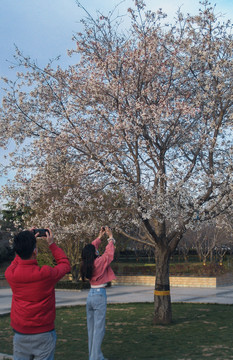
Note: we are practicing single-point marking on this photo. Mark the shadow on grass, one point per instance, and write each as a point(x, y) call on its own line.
point(198, 331)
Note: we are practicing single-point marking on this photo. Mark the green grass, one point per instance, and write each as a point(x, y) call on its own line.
point(198, 331)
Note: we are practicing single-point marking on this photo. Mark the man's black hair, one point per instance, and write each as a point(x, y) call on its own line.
point(24, 244)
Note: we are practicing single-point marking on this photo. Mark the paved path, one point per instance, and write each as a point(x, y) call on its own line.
point(5, 357)
point(128, 294)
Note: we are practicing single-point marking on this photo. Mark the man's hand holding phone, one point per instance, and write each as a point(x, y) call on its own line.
point(43, 233)
point(49, 237)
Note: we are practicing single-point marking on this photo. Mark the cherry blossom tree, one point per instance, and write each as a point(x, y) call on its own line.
point(146, 113)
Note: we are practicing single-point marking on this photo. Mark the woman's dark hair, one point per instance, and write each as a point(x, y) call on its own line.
point(88, 258)
point(24, 244)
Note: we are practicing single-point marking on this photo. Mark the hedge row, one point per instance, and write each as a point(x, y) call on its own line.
point(80, 285)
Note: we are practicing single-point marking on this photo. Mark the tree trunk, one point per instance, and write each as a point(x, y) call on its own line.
point(162, 298)
point(75, 272)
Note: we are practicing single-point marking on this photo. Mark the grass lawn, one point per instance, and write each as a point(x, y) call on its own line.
point(198, 331)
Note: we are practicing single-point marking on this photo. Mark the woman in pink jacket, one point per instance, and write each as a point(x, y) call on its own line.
point(98, 271)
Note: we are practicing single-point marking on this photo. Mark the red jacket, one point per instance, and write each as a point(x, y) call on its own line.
point(102, 271)
point(33, 298)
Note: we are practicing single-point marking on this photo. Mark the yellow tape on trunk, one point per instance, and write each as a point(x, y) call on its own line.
point(162, 293)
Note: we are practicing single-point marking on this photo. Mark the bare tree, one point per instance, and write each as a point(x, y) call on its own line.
point(205, 242)
point(186, 244)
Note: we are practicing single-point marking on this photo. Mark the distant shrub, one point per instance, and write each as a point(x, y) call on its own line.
point(71, 285)
point(6, 253)
point(185, 269)
point(80, 285)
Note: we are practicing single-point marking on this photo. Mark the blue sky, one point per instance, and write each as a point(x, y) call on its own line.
point(43, 28)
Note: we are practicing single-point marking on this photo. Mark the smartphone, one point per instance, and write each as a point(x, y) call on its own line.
point(42, 232)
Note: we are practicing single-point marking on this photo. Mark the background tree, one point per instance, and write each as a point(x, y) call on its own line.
point(146, 113)
point(62, 199)
point(205, 243)
point(12, 218)
point(186, 244)
point(222, 232)
point(6, 253)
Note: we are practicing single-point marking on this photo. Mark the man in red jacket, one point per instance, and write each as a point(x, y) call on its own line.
point(33, 297)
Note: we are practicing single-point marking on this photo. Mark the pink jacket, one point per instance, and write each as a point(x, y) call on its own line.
point(33, 300)
point(102, 270)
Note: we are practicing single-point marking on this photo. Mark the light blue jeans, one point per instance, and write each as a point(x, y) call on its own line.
point(35, 346)
point(96, 312)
